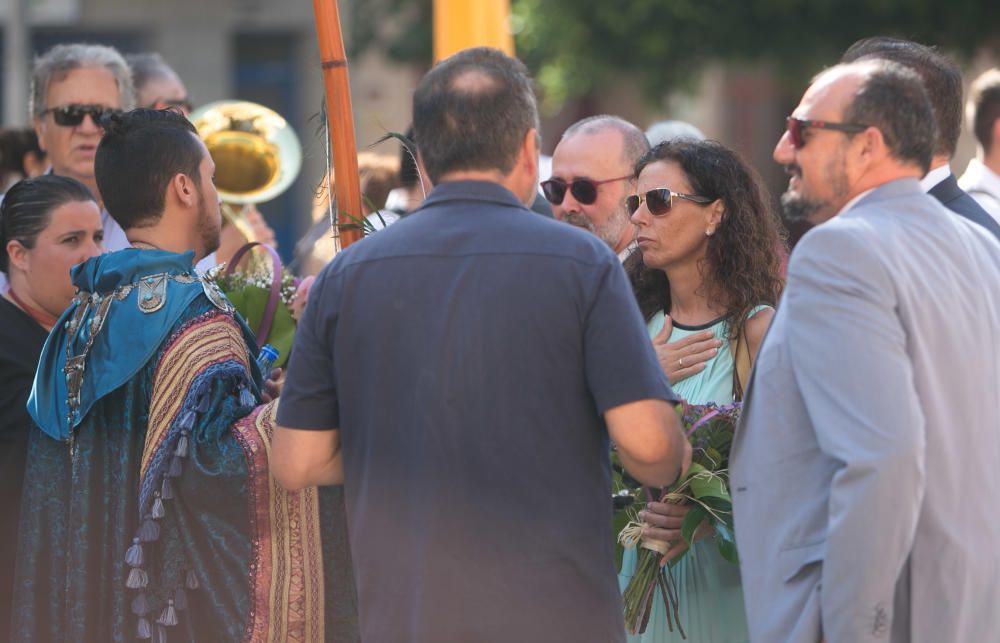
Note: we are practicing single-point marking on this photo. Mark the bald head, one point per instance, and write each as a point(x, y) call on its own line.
point(634, 141)
point(832, 90)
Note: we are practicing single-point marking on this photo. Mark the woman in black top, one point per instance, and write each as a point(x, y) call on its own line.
point(48, 224)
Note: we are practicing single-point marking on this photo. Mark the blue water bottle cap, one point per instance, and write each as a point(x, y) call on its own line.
point(270, 352)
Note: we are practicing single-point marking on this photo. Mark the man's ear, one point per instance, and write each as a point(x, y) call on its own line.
point(529, 150)
point(873, 147)
point(183, 189)
point(525, 171)
point(39, 125)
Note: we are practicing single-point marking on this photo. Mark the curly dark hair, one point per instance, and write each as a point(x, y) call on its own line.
point(742, 265)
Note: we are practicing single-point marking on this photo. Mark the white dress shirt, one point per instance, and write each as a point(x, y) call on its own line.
point(983, 185)
point(935, 176)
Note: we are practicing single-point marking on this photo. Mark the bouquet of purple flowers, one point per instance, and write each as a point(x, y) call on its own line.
point(705, 487)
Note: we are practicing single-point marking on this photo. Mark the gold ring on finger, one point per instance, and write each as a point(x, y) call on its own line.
point(680, 362)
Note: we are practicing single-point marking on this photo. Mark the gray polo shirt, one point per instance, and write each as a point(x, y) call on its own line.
point(467, 354)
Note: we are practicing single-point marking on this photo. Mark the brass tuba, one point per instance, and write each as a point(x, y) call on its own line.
point(257, 155)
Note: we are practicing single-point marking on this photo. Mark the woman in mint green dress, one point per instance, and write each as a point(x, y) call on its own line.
point(707, 276)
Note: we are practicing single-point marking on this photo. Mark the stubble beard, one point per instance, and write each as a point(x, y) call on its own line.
point(208, 232)
point(797, 207)
point(611, 232)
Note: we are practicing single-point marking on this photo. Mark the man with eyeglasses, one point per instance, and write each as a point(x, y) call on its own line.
point(592, 173)
point(73, 87)
point(865, 456)
point(157, 85)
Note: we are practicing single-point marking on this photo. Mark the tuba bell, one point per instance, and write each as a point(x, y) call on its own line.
point(257, 156)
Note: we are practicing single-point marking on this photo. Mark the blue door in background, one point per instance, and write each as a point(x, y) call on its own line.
point(265, 73)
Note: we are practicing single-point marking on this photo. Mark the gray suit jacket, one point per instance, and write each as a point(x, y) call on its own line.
point(866, 470)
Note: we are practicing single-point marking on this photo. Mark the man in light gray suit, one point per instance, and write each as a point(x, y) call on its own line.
point(864, 473)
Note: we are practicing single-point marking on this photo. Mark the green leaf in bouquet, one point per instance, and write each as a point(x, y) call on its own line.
point(725, 540)
point(694, 517)
point(709, 485)
point(251, 301)
point(720, 508)
point(694, 470)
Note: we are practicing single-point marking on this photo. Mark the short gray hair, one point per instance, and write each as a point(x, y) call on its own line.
point(148, 66)
point(62, 59)
point(662, 131)
point(634, 143)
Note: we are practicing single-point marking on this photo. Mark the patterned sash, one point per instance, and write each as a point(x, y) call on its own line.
point(285, 573)
point(287, 586)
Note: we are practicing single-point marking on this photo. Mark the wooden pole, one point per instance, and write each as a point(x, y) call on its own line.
point(340, 116)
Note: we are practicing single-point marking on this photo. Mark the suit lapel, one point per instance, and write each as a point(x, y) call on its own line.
point(946, 191)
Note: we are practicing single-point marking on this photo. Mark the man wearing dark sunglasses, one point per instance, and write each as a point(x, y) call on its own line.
point(73, 87)
point(879, 369)
point(592, 169)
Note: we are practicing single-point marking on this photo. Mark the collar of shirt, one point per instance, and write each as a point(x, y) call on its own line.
point(472, 191)
point(982, 177)
point(934, 177)
point(629, 249)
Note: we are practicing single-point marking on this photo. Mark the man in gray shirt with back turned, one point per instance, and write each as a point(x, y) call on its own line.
point(506, 348)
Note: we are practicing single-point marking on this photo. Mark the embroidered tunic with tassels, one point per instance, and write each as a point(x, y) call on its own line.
point(159, 520)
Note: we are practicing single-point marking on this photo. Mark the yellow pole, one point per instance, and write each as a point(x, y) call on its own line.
point(460, 24)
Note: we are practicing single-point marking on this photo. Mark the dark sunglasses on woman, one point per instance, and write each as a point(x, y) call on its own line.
point(72, 115)
point(583, 190)
point(660, 200)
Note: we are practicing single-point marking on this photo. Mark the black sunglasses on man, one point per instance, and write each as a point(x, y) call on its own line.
point(583, 190)
point(798, 126)
point(72, 115)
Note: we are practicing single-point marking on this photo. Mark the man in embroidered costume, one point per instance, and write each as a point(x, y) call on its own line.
point(150, 513)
